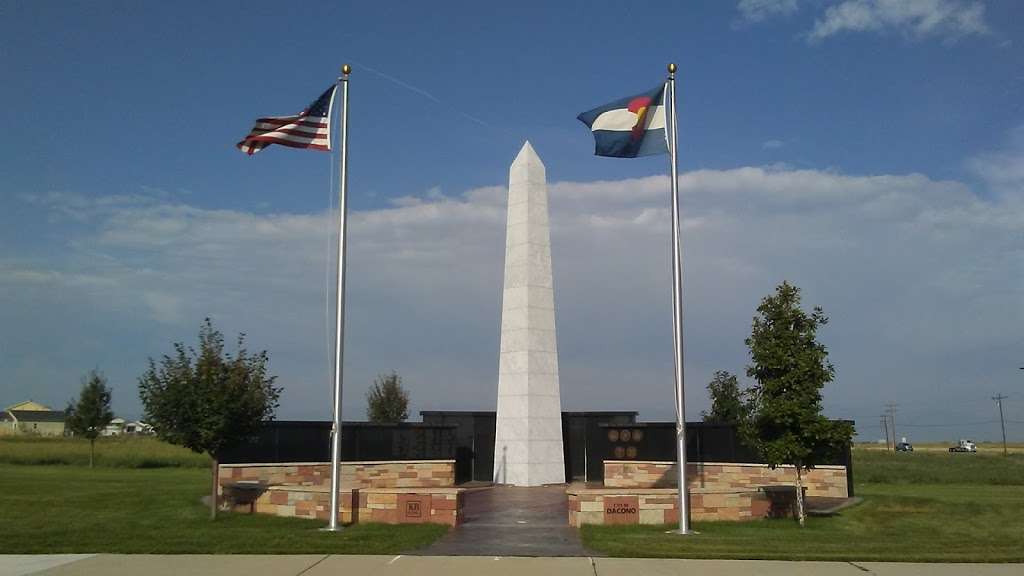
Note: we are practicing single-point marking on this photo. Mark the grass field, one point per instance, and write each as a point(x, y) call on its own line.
point(115, 452)
point(981, 469)
point(917, 507)
point(143, 497)
point(63, 509)
point(983, 447)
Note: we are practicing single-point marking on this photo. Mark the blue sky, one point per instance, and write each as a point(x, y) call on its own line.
point(868, 150)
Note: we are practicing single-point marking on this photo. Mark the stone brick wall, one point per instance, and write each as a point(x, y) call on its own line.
point(304, 502)
point(660, 506)
point(722, 477)
point(398, 506)
point(358, 475)
point(387, 505)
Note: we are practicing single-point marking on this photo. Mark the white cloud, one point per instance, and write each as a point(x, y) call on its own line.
point(946, 19)
point(1003, 171)
point(772, 144)
point(949, 19)
point(760, 10)
point(923, 279)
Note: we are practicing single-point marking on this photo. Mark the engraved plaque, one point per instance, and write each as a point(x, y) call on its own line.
point(412, 509)
point(621, 510)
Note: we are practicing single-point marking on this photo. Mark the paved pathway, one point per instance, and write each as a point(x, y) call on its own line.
point(320, 565)
point(511, 521)
point(21, 564)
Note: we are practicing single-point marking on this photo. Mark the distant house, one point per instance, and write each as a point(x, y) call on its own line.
point(115, 428)
point(138, 427)
point(32, 418)
point(8, 425)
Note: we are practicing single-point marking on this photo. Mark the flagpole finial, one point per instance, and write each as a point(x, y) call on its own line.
point(346, 69)
point(672, 68)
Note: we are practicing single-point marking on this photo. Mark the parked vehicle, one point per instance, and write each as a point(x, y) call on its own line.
point(904, 447)
point(964, 446)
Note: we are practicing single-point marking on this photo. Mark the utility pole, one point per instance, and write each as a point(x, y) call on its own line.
point(885, 428)
point(890, 409)
point(999, 401)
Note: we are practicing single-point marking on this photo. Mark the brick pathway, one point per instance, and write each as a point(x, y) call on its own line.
point(512, 521)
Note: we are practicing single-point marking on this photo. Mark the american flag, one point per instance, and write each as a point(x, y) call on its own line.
point(310, 128)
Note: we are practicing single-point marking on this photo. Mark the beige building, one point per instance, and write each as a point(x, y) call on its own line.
point(31, 418)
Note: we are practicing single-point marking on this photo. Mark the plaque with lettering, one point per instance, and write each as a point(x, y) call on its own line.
point(621, 510)
point(413, 508)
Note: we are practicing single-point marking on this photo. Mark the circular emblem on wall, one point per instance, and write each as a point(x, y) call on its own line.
point(631, 452)
point(638, 435)
point(620, 452)
point(624, 435)
point(613, 435)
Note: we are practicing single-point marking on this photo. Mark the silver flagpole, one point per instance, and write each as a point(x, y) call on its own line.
point(339, 336)
point(677, 316)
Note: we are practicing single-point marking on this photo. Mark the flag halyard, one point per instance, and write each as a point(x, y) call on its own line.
point(310, 129)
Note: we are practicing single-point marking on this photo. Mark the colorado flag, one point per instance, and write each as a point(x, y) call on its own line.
point(630, 127)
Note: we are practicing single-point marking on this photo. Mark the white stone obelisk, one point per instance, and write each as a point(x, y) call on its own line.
point(528, 437)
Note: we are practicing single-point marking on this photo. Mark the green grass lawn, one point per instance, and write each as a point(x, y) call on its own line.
point(63, 509)
point(917, 507)
point(114, 452)
point(143, 497)
point(874, 467)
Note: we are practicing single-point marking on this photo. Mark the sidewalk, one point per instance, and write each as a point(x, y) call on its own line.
point(318, 565)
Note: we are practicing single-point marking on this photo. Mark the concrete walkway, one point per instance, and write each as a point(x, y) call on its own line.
point(21, 564)
point(512, 521)
point(314, 565)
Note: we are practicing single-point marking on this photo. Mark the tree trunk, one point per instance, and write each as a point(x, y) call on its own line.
point(799, 495)
point(213, 491)
point(92, 450)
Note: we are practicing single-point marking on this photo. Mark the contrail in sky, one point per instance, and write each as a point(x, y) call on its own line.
point(423, 93)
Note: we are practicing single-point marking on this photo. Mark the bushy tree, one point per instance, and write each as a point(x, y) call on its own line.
point(727, 403)
point(790, 368)
point(386, 401)
point(90, 414)
point(208, 400)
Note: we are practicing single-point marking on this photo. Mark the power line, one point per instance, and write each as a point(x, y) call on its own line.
point(950, 425)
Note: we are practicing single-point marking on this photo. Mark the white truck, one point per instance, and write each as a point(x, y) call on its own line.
point(964, 446)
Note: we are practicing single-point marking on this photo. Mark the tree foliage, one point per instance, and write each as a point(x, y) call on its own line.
point(208, 400)
point(790, 368)
point(386, 401)
point(727, 403)
point(90, 414)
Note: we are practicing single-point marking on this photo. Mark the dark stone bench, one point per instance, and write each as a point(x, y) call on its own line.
point(243, 493)
point(783, 500)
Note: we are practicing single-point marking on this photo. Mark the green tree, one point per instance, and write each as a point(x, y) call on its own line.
point(208, 400)
point(790, 368)
point(727, 404)
point(386, 401)
point(87, 416)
